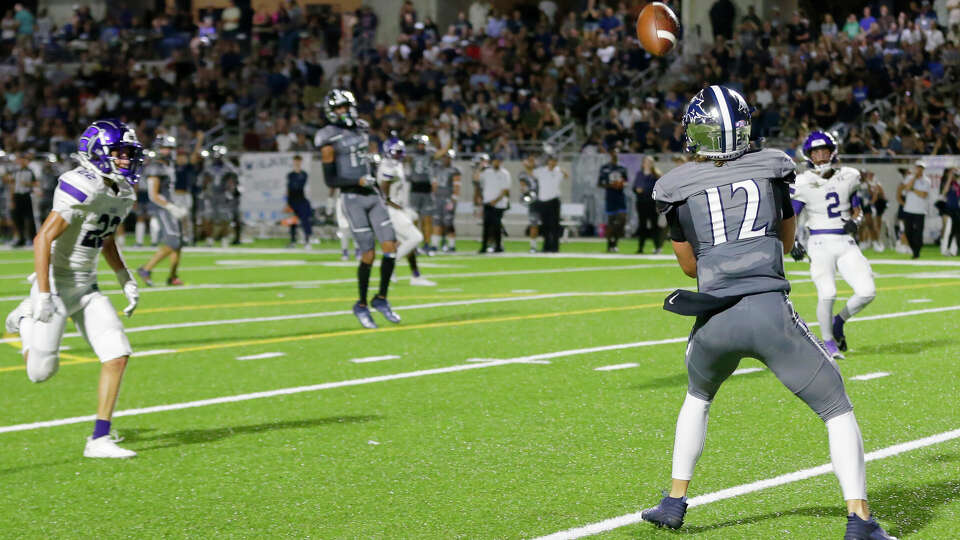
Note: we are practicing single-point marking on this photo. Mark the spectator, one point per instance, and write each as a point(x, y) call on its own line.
point(722, 14)
point(24, 19)
point(647, 216)
point(915, 191)
point(495, 195)
point(867, 22)
point(612, 178)
point(852, 26)
point(549, 177)
point(828, 27)
point(24, 183)
point(298, 202)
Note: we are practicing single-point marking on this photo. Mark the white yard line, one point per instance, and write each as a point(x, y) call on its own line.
point(262, 356)
point(868, 376)
point(744, 489)
point(919, 301)
point(153, 352)
point(744, 371)
point(616, 367)
point(369, 359)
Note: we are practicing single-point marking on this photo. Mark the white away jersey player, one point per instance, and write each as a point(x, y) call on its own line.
point(826, 201)
point(93, 211)
point(391, 170)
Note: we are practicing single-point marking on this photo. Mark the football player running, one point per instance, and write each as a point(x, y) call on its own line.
point(89, 203)
point(160, 178)
point(731, 222)
point(344, 152)
point(827, 193)
point(396, 189)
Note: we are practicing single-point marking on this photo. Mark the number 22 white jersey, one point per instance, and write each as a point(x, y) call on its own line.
point(826, 200)
point(93, 211)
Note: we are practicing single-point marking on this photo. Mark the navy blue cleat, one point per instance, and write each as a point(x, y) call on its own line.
point(669, 513)
point(838, 333)
point(363, 315)
point(859, 529)
point(380, 304)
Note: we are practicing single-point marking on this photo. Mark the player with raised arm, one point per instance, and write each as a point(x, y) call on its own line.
point(731, 221)
point(160, 179)
point(344, 147)
point(828, 194)
point(391, 178)
point(89, 203)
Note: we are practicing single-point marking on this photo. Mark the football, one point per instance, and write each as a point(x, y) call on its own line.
point(657, 28)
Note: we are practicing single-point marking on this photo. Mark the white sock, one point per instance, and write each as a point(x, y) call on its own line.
point(139, 231)
point(533, 243)
point(945, 235)
point(344, 239)
point(435, 241)
point(846, 454)
point(451, 241)
point(825, 317)
point(690, 436)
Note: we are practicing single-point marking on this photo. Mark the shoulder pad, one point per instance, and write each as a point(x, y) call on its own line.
point(326, 135)
point(78, 184)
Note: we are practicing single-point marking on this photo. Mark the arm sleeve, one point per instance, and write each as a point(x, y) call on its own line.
point(332, 180)
point(781, 193)
point(673, 223)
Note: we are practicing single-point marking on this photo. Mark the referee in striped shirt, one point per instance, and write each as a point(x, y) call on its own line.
point(24, 181)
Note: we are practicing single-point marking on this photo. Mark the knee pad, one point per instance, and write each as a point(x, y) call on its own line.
point(41, 365)
point(102, 329)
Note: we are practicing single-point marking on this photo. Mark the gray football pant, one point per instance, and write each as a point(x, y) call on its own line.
point(766, 327)
point(367, 215)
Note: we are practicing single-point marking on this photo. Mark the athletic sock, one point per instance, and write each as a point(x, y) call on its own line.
point(363, 280)
point(690, 436)
point(533, 243)
point(387, 263)
point(101, 428)
point(846, 454)
point(140, 229)
point(435, 241)
point(451, 242)
point(414, 269)
point(825, 318)
point(344, 239)
point(293, 234)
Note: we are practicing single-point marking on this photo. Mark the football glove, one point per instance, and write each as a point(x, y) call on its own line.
point(130, 290)
point(850, 226)
point(177, 212)
point(43, 307)
point(798, 252)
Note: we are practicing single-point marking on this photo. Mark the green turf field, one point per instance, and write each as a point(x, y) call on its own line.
point(488, 417)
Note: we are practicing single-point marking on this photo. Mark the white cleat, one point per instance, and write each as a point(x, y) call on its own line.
point(106, 447)
point(422, 282)
point(13, 319)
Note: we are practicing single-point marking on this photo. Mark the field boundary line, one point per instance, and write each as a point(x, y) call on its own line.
point(744, 489)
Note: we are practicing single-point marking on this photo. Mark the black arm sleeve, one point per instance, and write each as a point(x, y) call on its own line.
point(781, 194)
point(331, 179)
point(673, 223)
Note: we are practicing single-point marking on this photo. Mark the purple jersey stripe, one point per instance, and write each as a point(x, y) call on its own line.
point(797, 206)
point(72, 191)
point(827, 231)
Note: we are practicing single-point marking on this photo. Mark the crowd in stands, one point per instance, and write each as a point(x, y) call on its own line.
point(487, 82)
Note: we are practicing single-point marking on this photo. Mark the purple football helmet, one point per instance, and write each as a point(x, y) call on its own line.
point(394, 148)
point(100, 140)
point(817, 140)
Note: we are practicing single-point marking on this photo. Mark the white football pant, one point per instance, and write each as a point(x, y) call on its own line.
point(829, 253)
point(95, 318)
point(408, 235)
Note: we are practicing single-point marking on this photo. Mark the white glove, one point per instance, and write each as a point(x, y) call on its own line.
point(43, 307)
point(177, 212)
point(129, 290)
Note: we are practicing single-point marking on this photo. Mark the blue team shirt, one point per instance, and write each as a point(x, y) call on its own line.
point(296, 182)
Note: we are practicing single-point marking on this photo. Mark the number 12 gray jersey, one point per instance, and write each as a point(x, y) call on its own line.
point(350, 148)
point(731, 216)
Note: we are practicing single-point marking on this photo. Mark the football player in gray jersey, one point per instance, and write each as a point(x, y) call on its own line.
point(422, 186)
point(160, 179)
point(446, 194)
point(344, 147)
point(731, 221)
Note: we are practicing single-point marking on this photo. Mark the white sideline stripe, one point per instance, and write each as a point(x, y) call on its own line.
point(743, 489)
point(261, 356)
point(919, 300)
point(152, 352)
point(220, 322)
point(374, 358)
point(299, 284)
point(744, 371)
point(257, 395)
point(868, 376)
point(615, 367)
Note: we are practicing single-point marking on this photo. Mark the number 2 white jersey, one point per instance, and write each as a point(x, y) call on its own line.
point(93, 211)
point(391, 170)
point(826, 200)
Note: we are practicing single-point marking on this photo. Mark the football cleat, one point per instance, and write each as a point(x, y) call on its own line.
point(145, 276)
point(362, 313)
point(861, 529)
point(838, 333)
point(345, 256)
point(833, 350)
point(380, 304)
point(13, 319)
point(421, 281)
point(174, 282)
point(106, 447)
point(669, 513)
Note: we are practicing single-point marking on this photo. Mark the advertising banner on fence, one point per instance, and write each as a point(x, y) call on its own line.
point(263, 179)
